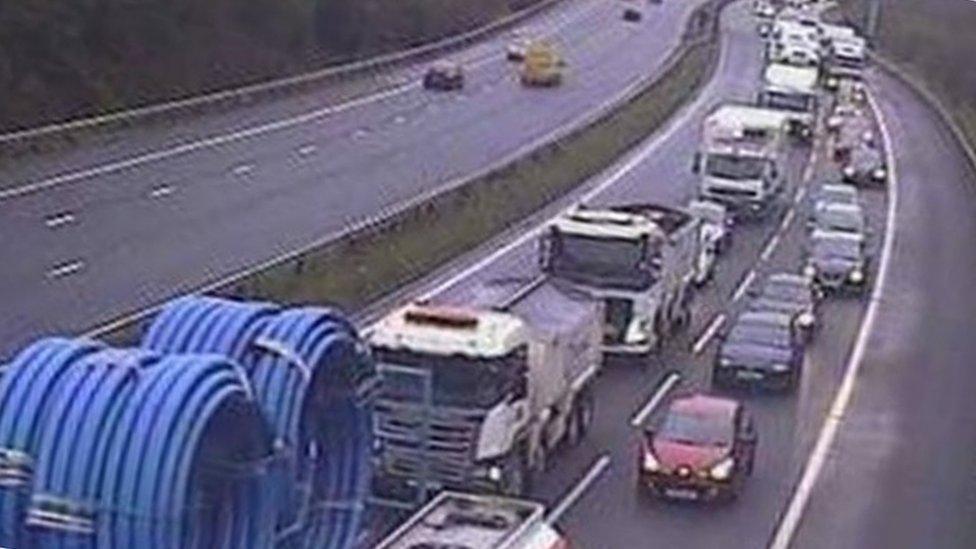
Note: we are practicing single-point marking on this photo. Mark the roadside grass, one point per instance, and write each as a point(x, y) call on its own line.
point(352, 273)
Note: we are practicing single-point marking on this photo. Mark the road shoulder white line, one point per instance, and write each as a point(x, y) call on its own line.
point(787, 528)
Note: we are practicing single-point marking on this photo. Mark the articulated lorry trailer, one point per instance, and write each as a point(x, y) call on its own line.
point(639, 260)
point(742, 157)
point(477, 392)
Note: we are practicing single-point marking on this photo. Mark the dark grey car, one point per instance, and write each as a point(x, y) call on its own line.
point(759, 354)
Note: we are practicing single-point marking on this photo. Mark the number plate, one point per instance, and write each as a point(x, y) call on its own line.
point(681, 493)
point(749, 375)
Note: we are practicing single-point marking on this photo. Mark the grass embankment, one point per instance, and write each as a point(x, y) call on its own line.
point(935, 40)
point(63, 59)
point(362, 268)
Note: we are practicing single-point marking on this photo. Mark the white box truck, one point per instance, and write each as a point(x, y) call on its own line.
point(741, 157)
point(793, 90)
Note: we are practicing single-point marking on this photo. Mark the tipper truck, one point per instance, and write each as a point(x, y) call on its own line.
point(741, 157)
point(475, 396)
point(454, 520)
point(640, 260)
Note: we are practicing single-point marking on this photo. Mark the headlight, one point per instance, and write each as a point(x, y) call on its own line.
point(810, 271)
point(850, 171)
point(880, 173)
point(806, 320)
point(723, 469)
point(651, 464)
point(495, 473)
point(832, 83)
point(724, 362)
point(857, 276)
point(781, 368)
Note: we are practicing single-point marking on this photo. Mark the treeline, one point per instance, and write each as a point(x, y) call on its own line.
point(61, 59)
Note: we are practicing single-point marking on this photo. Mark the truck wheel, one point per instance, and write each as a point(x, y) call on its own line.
point(585, 406)
point(514, 475)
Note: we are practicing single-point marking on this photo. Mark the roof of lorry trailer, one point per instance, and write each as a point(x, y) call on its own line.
point(606, 224)
point(747, 115)
point(800, 79)
point(444, 330)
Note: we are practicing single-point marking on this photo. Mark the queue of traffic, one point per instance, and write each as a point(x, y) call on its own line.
point(704, 445)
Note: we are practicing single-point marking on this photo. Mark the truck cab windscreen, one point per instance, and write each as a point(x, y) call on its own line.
point(796, 102)
point(735, 167)
point(456, 381)
point(601, 261)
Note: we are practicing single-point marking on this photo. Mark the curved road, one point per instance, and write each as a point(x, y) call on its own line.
point(851, 504)
point(128, 220)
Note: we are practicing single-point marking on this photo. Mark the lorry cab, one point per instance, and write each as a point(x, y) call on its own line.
point(461, 520)
point(542, 65)
point(846, 61)
point(739, 160)
point(703, 449)
point(794, 91)
point(474, 397)
point(639, 260)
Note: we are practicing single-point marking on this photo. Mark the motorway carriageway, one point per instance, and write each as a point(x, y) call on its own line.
point(608, 512)
point(128, 220)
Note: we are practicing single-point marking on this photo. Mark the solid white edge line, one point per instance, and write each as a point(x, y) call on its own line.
point(790, 522)
point(708, 334)
point(597, 469)
point(654, 401)
point(744, 285)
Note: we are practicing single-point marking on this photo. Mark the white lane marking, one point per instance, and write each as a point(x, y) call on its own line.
point(639, 156)
point(818, 457)
point(307, 150)
point(224, 139)
point(787, 219)
point(60, 219)
point(161, 191)
point(637, 159)
point(597, 469)
point(360, 133)
point(800, 195)
point(243, 169)
point(399, 119)
point(652, 403)
point(66, 269)
point(713, 327)
point(744, 285)
point(770, 247)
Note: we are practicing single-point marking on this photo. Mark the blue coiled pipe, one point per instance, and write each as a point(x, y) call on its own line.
point(28, 389)
point(308, 369)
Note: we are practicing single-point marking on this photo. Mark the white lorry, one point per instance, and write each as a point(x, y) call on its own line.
point(477, 390)
point(792, 90)
point(741, 157)
point(455, 521)
point(846, 61)
point(639, 260)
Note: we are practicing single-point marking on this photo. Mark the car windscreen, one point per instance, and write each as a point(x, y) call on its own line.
point(839, 248)
point(796, 102)
point(786, 292)
point(846, 220)
point(735, 167)
point(696, 429)
point(775, 336)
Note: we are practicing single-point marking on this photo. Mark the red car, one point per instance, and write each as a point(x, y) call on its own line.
point(703, 450)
